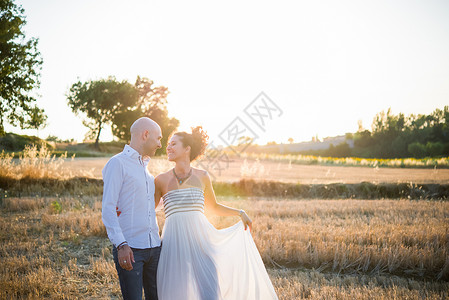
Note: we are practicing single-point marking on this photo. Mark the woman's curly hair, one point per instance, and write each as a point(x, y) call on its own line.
point(197, 140)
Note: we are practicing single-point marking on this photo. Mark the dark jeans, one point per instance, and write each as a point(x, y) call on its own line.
point(143, 274)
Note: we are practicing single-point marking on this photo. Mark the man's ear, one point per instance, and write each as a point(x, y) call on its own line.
point(146, 134)
point(188, 148)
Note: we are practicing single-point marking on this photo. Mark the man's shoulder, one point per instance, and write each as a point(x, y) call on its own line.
point(115, 160)
point(119, 155)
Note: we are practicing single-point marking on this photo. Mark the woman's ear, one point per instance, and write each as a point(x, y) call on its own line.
point(188, 148)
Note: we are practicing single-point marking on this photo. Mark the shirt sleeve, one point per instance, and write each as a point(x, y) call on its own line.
point(112, 184)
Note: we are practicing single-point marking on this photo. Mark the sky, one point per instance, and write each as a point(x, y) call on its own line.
point(323, 64)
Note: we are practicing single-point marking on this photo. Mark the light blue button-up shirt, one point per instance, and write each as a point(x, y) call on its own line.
point(128, 201)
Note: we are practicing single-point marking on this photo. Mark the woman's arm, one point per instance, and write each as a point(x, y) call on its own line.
point(157, 191)
point(219, 209)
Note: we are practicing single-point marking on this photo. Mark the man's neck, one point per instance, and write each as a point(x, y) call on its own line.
point(137, 148)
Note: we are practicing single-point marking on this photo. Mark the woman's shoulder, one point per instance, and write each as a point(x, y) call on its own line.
point(200, 172)
point(203, 176)
point(162, 176)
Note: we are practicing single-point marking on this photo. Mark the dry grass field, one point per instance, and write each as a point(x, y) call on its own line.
point(36, 163)
point(314, 249)
point(56, 246)
point(283, 171)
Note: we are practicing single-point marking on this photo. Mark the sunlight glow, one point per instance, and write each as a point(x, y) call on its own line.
point(326, 64)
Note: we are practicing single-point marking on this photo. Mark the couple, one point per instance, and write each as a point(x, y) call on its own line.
point(196, 260)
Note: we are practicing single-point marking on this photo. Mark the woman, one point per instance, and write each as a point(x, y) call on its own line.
point(198, 261)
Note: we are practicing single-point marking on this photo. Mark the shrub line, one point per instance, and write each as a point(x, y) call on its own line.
point(12, 187)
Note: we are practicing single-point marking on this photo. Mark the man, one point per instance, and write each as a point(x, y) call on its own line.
point(128, 211)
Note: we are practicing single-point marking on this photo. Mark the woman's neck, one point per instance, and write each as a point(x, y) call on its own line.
point(182, 167)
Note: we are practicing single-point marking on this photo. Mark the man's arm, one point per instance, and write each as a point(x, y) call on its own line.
point(113, 181)
point(112, 184)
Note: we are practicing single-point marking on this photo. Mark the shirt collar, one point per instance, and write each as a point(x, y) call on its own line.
point(131, 152)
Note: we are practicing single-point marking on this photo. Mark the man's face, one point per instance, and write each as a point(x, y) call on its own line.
point(152, 141)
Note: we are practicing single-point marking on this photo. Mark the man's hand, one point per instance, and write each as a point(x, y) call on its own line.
point(125, 257)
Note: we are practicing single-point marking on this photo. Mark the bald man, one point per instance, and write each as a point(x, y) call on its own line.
point(128, 211)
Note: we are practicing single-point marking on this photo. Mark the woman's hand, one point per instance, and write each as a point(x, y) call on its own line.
point(245, 219)
point(211, 204)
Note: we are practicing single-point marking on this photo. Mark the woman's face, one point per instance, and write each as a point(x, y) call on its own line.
point(175, 148)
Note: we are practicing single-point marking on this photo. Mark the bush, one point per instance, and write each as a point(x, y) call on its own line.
point(341, 150)
point(52, 138)
point(446, 149)
point(418, 150)
point(435, 149)
point(13, 142)
point(399, 147)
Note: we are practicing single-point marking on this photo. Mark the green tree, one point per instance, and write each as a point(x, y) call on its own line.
point(363, 139)
point(37, 120)
point(402, 136)
point(152, 103)
point(386, 128)
point(20, 65)
point(99, 101)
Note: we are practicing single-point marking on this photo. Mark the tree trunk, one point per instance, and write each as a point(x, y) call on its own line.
point(2, 128)
point(97, 140)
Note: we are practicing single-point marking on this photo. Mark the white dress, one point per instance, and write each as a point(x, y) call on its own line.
point(199, 262)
